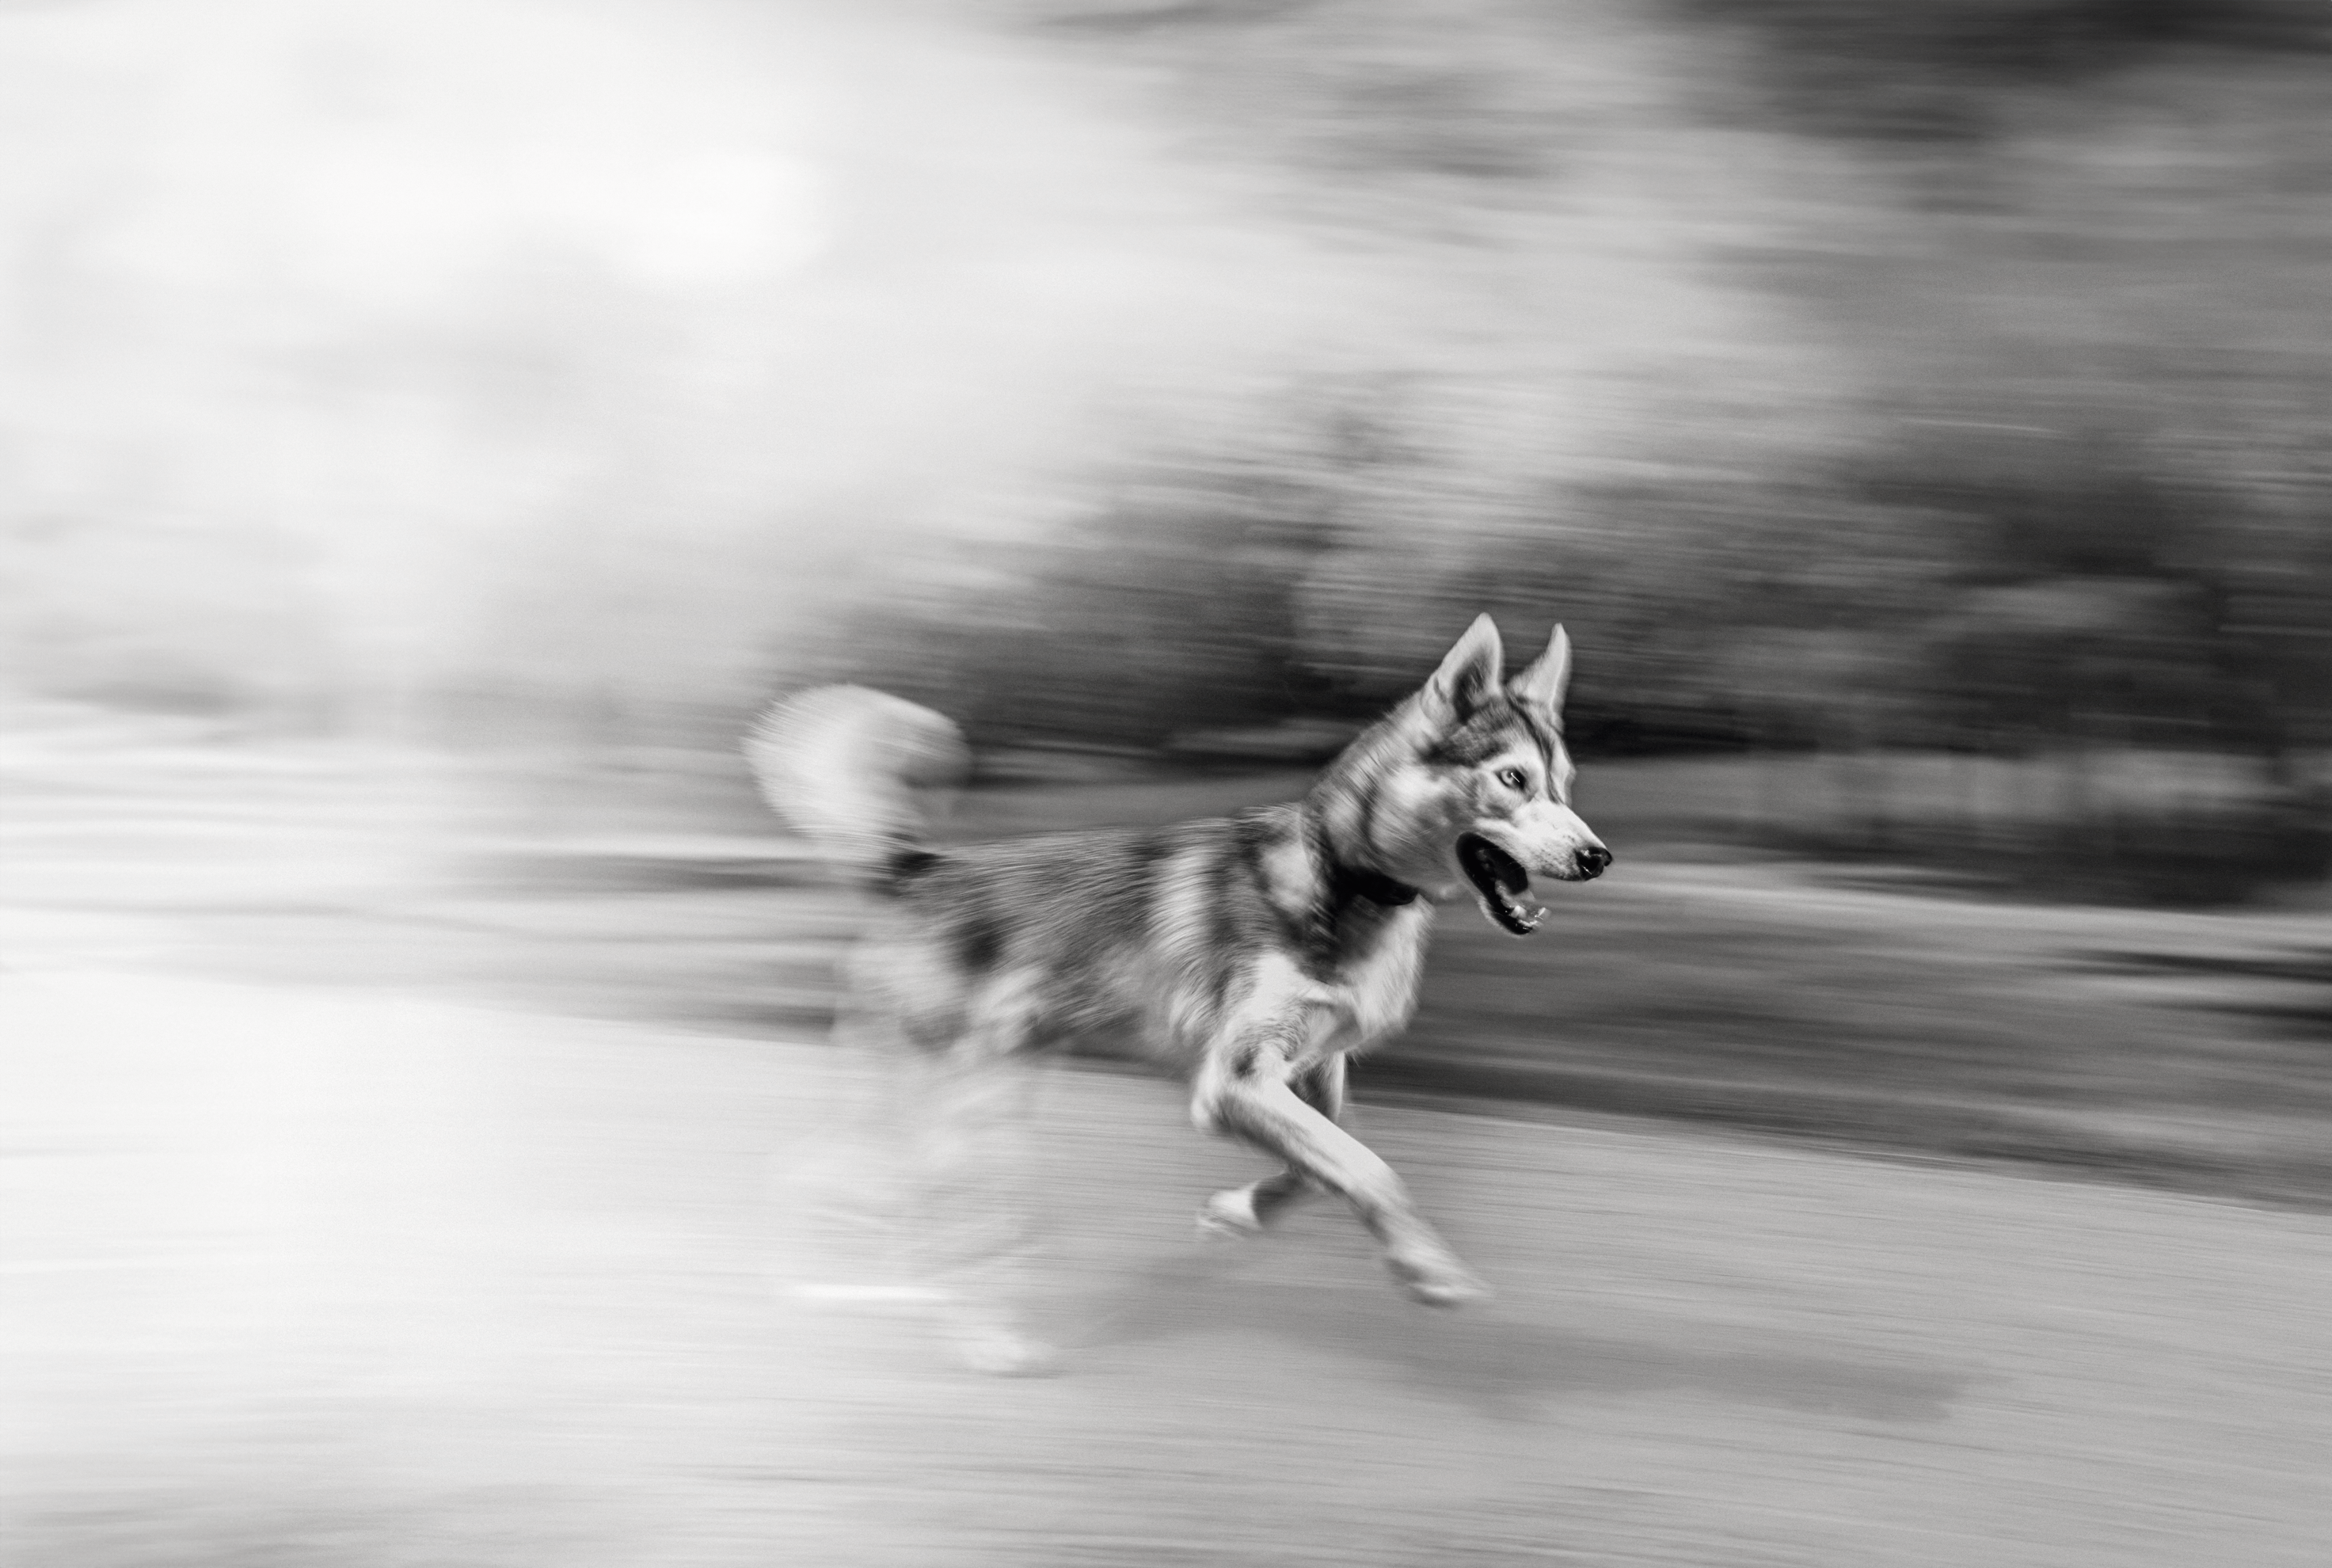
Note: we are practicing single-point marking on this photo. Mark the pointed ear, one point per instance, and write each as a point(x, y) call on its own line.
point(1549, 676)
point(1469, 672)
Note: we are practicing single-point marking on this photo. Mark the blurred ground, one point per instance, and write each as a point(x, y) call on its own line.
point(364, 1272)
point(296, 1275)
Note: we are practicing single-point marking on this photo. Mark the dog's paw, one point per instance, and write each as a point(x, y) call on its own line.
point(1229, 1216)
point(1434, 1276)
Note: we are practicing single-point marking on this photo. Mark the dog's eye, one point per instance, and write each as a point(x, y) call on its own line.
point(1511, 778)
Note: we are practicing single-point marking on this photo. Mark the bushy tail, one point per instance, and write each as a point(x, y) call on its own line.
point(852, 771)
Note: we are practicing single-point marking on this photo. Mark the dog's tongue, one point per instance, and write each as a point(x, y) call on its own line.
point(1521, 916)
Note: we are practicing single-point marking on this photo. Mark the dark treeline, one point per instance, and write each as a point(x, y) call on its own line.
point(1854, 381)
point(2076, 511)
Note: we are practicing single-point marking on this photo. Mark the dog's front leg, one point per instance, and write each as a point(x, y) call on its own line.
point(1248, 1090)
point(1243, 1211)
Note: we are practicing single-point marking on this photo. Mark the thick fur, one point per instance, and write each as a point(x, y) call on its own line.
point(1249, 955)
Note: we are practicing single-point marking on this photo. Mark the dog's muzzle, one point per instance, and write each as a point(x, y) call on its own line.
point(1499, 881)
point(1591, 861)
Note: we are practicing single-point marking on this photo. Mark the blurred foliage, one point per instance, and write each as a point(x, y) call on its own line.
point(2078, 507)
point(1981, 592)
point(1941, 69)
point(1170, 607)
point(1848, 378)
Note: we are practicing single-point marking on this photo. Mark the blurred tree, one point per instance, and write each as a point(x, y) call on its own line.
point(1938, 70)
point(1168, 608)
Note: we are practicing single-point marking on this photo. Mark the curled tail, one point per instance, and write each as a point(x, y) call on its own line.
point(851, 770)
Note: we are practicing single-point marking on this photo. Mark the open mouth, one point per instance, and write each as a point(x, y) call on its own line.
point(1498, 879)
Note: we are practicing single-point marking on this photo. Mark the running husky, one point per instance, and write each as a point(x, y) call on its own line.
point(1252, 954)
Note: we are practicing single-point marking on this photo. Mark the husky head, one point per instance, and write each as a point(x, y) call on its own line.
point(1466, 784)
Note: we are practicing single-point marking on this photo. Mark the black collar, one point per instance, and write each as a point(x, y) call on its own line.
point(1346, 883)
point(1355, 882)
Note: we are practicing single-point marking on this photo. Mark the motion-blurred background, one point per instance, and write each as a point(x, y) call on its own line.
point(1914, 413)
point(431, 429)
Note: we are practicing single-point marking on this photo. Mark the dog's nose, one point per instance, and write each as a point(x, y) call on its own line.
point(1591, 861)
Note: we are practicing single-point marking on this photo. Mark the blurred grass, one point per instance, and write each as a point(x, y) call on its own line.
point(1782, 1001)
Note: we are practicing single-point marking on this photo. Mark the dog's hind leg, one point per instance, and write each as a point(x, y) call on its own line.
point(977, 1236)
point(844, 1188)
point(1243, 1211)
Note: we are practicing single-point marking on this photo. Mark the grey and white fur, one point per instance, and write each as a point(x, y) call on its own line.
point(1251, 955)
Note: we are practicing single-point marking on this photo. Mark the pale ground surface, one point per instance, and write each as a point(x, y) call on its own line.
point(295, 1277)
point(362, 1276)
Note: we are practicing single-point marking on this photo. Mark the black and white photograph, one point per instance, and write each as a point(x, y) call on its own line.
point(1200, 783)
